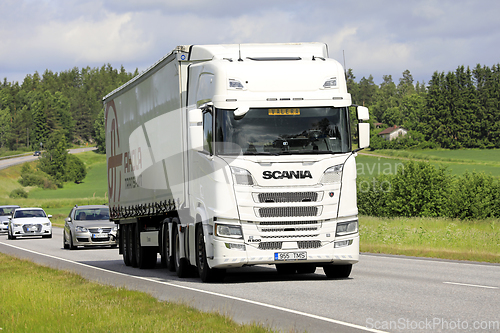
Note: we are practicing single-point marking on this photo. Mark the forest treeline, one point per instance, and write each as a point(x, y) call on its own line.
point(459, 109)
point(68, 102)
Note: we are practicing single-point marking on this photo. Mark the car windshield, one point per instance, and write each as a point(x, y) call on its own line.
point(29, 213)
point(92, 214)
point(263, 131)
point(5, 211)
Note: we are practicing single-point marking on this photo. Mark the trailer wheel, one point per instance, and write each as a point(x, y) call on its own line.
point(145, 256)
point(167, 259)
point(337, 271)
point(206, 273)
point(131, 245)
point(124, 230)
point(181, 264)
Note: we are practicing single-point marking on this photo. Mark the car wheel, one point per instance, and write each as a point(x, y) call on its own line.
point(167, 258)
point(71, 245)
point(65, 245)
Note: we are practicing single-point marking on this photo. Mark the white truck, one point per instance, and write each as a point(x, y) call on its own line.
point(224, 156)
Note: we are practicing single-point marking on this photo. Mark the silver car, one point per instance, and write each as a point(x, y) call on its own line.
point(89, 226)
point(27, 222)
point(5, 213)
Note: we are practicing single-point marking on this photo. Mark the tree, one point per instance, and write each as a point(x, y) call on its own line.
point(54, 159)
point(100, 132)
point(75, 169)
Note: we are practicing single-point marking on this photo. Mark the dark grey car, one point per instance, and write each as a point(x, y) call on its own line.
point(89, 226)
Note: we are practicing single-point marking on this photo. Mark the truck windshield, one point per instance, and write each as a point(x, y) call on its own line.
point(262, 131)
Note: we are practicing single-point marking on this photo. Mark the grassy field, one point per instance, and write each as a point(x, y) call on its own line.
point(432, 237)
point(457, 161)
point(39, 299)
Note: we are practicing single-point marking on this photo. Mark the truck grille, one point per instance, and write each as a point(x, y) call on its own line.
point(288, 197)
point(287, 211)
point(278, 245)
point(270, 245)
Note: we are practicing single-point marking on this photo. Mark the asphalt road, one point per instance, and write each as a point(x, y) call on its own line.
point(8, 162)
point(386, 293)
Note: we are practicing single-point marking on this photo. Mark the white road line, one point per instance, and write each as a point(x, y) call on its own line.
point(206, 292)
point(470, 285)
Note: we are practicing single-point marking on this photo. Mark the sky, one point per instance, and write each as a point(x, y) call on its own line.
point(372, 37)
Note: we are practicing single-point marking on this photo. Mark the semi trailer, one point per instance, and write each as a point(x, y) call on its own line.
point(224, 156)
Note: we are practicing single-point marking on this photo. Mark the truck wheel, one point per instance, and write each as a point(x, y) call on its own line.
point(286, 269)
point(131, 245)
point(181, 264)
point(206, 273)
point(145, 256)
point(125, 244)
point(306, 269)
point(337, 271)
point(167, 259)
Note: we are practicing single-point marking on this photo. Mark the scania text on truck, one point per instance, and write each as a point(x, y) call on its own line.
point(224, 156)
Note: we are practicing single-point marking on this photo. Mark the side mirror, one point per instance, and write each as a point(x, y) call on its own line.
point(68, 219)
point(363, 135)
point(196, 129)
point(49, 216)
point(362, 112)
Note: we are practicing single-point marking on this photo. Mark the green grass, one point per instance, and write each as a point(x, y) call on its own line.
point(34, 298)
point(432, 237)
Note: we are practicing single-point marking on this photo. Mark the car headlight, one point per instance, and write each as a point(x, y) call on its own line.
point(332, 175)
point(81, 229)
point(18, 225)
point(46, 224)
point(228, 230)
point(242, 176)
point(346, 228)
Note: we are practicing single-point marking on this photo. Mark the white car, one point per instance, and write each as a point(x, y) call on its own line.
point(27, 222)
point(5, 213)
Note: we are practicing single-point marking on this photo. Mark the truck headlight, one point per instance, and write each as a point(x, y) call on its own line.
point(332, 175)
point(346, 228)
point(228, 230)
point(242, 176)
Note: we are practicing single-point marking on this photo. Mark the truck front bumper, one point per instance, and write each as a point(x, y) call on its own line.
point(228, 254)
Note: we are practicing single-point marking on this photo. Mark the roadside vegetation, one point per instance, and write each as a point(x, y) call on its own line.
point(34, 298)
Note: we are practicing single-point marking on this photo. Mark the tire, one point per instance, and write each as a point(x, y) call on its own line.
point(206, 273)
point(337, 271)
point(286, 269)
point(71, 245)
point(167, 259)
point(65, 245)
point(8, 234)
point(125, 244)
point(306, 269)
point(131, 245)
point(145, 256)
point(181, 264)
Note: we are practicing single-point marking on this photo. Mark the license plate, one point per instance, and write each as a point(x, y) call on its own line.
point(99, 235)
point(285, 256)
point(32, 229)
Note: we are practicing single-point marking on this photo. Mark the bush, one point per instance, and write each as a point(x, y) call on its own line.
point(34, 177)
point(75, 170)
point(475, 196)
point(18, 193)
